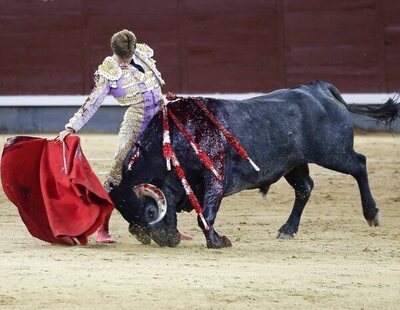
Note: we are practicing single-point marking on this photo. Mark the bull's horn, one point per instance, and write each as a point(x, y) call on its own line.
point(149, 190)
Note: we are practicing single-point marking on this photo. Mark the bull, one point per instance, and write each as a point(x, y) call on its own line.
point(282, 131)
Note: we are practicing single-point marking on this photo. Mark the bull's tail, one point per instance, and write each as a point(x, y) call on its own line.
point(386, 113)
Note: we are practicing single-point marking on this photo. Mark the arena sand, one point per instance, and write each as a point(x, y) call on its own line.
point(336, 262)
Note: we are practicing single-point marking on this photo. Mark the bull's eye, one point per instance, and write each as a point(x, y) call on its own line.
point(151, 211)
point(154, 202)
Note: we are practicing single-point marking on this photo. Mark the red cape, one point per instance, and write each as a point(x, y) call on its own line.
point(56, 205)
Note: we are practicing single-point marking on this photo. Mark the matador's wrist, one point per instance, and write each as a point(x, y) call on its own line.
point(72, 130)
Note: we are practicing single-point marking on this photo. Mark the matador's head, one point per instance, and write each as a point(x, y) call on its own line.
point(123, 44)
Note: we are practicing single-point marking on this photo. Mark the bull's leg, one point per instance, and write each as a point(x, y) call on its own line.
point(211, 202)
point(302, 183)
point(355, 165)
point(213, 239)
point(370, 211)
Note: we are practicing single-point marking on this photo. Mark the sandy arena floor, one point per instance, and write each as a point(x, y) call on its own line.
point(336, 262)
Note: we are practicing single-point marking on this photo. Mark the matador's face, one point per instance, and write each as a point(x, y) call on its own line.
point(123, 62)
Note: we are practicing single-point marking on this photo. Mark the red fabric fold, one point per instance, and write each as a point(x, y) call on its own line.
point(57, 205)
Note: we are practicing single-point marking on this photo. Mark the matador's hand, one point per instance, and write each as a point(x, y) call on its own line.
point(64, 133)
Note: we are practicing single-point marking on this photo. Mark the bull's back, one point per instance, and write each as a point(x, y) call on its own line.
point(281, 130)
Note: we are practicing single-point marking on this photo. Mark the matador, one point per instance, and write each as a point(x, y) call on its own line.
point(131, 77)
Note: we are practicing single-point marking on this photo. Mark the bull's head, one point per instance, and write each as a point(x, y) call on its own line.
point(146, 209)
point(149, 214)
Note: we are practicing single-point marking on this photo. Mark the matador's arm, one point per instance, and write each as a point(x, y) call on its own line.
point(92, 103)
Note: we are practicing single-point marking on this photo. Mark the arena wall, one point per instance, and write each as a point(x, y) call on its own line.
point(53, 46)
point(44, 114)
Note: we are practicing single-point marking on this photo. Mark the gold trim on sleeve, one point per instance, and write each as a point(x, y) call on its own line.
point(110, 69)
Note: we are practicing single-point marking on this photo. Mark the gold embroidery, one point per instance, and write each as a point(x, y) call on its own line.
point(144, 53)
point(130, 100)
point(110, 69)
point(151, 83)
point(131, 91)
point(130, 80)
point(144, 49)
point(128, 132)
point(101, 84)
point(148, 78)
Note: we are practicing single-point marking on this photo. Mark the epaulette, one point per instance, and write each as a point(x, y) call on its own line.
point(144, 49)
point(110, 69)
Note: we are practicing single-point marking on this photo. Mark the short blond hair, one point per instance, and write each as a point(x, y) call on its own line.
point(123, 43)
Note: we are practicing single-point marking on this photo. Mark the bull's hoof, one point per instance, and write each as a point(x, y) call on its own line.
point(218, 243)
point(375, 221)
point(286, 232)
point(284, 236)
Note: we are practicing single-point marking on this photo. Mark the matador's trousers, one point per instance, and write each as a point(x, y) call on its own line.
point(136, 119)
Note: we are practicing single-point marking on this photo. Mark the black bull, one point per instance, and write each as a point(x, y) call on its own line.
point(282, 132)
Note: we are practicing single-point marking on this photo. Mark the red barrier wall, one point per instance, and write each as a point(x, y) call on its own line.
point(54, 46)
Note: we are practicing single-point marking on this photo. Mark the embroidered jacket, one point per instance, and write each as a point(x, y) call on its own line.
point(125, 85)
